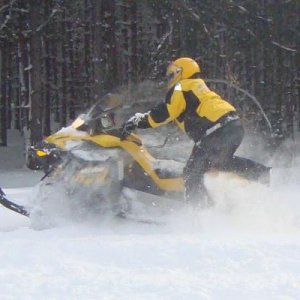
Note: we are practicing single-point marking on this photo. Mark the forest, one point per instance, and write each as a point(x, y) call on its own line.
point(57, 57)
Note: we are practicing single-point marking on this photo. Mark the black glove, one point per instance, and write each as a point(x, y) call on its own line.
point(128, 127)
point(132, 123)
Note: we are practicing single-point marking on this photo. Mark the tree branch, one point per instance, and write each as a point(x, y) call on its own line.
point(51, 16)
point(8, 16)
point(253, 98)
point(283, 47)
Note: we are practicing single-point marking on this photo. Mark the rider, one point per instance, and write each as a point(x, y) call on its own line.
point(210, 121)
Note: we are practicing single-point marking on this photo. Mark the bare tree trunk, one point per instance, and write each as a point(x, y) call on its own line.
point(129, 45)
point(297, 82)
point(70, 50)
point(47, 97)
point(63, 97)
point(46, 55)
point(97, 49)
point(55, 71)
point(176, 22)
point(22, 52)
point(87, 51)
point(133, 39)
point(36, 83)
point(119, 42)
point(9, 88)
point(109, 56)
point(3, 100)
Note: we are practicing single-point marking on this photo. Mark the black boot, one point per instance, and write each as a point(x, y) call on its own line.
point(196, 193)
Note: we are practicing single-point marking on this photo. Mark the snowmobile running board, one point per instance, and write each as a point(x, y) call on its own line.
point(12, 206)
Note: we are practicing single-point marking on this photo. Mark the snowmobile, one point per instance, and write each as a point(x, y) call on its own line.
point(93, 161)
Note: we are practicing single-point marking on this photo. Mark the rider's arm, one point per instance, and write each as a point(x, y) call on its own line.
point(167, 111)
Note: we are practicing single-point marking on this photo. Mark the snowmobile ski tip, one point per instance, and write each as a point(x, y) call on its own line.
point(12, 206)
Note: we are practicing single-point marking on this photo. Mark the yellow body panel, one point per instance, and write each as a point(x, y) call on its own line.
point(137, 152)
point(89, 180)
point(103, 140)
point(145, 160)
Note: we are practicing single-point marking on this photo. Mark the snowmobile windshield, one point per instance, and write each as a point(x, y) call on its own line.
point(107, 104)
point(100, 116)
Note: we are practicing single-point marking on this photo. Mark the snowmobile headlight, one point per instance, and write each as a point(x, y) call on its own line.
point(40, 153)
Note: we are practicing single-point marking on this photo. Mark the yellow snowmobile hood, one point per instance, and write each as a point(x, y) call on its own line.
point(131, 145)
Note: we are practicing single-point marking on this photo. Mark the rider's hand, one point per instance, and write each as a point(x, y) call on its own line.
point(128, 127)
point(132, 124)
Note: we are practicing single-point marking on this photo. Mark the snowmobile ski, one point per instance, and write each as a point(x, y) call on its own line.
point(12, 206)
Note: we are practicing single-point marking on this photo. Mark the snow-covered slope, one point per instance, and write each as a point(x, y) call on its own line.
point(251, 251)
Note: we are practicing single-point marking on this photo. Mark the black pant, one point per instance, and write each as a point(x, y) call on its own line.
point(214, 152)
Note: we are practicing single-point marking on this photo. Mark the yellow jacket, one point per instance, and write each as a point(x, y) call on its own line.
point(193, 106)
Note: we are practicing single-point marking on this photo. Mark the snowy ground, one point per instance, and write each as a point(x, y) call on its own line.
point(247, 247)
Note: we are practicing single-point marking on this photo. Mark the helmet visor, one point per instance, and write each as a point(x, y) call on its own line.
point(173, 74)
point(170, 76)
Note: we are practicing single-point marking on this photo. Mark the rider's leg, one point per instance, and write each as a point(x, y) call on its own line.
point(197, 165)
point(249, 169)
point(214, 151)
